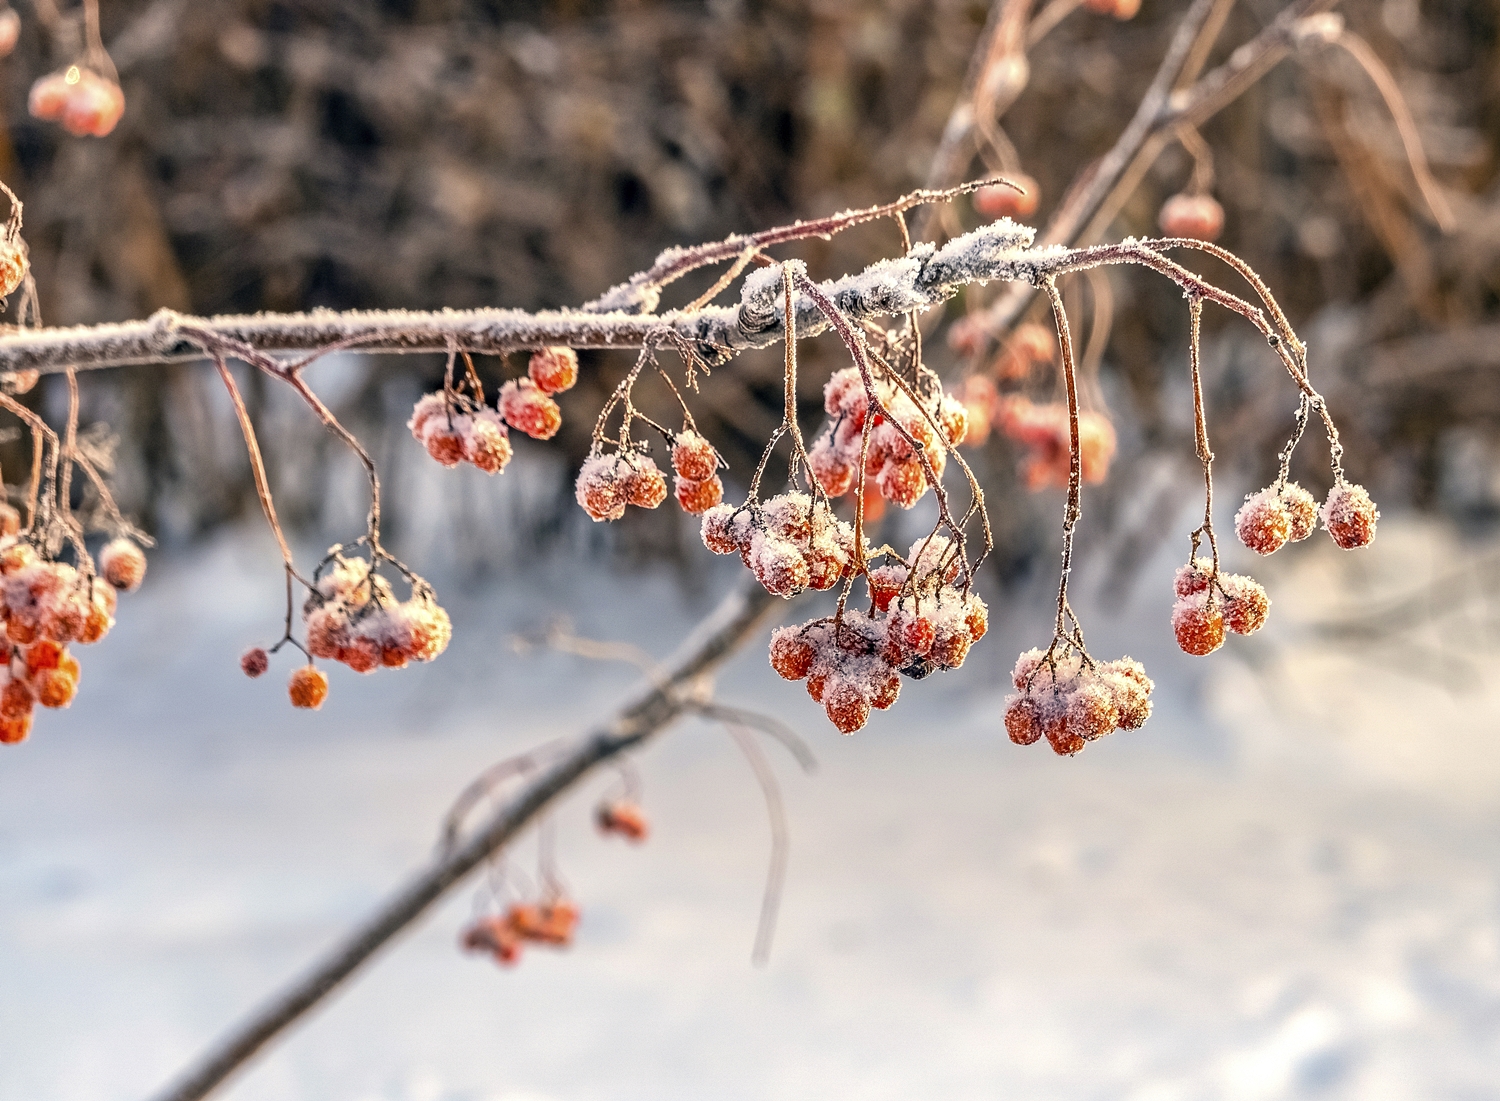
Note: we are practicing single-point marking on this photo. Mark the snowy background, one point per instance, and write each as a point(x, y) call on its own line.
point(1283, 887)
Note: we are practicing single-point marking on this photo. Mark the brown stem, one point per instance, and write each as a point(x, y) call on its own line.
point(257, 464)
point(1074, 508)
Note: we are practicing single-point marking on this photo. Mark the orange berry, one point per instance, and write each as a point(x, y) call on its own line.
point(95, 625)
point(693, 457)
point(719, 534)
point(791, 653)
point(487, 445)
point(20, 631)
point(1263, 523)
point(1120, 9)
point(1064, 742)
point(624, 818)
point(69, 665)
point(553, 369)
point(362, 655)
point(1349, 515)
point(1003, 201)
point(13, 731)
point(42, 655)
point(1198, 624)
point(977, 618)
point(645, 486)
point(847, 707)
point(1185, 215)
point(902, 482)
point(699, 496)
point(16, 700)
point(122, 564)
point(54, 688)
point(600, 488)
point(525, 406)
point(950, 650)
point(308, 687)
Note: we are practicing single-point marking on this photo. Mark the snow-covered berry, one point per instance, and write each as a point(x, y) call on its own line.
point(553, 369)
point(1349, 515)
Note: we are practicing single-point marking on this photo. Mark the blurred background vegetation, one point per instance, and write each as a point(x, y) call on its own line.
point(428, 153)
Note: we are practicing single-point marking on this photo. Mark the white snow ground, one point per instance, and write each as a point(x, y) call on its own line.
point(1285, 886)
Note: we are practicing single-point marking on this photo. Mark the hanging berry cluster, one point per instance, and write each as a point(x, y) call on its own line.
point(791, 542)
point(550, 924)
point(920, 620)
point(1073, 700)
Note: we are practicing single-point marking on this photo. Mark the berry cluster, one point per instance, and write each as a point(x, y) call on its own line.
point(1074, 700)
point(451, 435)
point(624, 818)
point(84, 102)
point(607, 483)
point(791, 542)
point(1208, 603)
point(352, 617)
point(898, 472)
point(46, 606)
point(1285, 512)
point(920, 621)
point(1045, 432)
point(547, 923)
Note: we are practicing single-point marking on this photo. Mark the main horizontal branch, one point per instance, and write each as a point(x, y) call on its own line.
point(925, 277)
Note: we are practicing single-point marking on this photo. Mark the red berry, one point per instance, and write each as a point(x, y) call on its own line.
point(887, 688)
point(553, 369)
point(526, 407)
point(902, 482)
point(645, 486)
point(847, 707)
point(1263, 523)
point(254, 662)
point(16, 700)
point(791, 654)
point(1023, 719)
point(1349, 515)
point(1302, 510)
point(1003, 201)
point(1185, 215)
point(1247, 606)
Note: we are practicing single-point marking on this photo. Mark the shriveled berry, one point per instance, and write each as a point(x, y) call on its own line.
point(308, 687)
point(122, 564)
point(1349, 515)
point(553, 369)
point(254, 662)
point(847, 707)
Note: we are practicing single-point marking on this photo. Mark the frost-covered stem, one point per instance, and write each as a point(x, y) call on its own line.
point(41, 435)
point(1074, 508)
point(740, 616)
point(257, 463)
point(1200, 430)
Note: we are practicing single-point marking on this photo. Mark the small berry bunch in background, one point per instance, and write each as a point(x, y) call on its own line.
point(84, 102)
point(622, 818)
point(1073, 700)
point(791, 542)
point(920, 620)
point(550, 923)
point(526, 403)
point(1044, 431)
point(455, 429)
point(901, 435)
